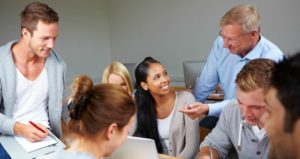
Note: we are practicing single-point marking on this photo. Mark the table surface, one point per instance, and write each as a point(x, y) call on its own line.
point(214, 96)
point(162, 156)
point(16, 151)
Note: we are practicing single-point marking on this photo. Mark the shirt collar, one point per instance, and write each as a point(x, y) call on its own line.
point(256, 51)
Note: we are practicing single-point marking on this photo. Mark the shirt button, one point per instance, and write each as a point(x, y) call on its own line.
point(258, 152)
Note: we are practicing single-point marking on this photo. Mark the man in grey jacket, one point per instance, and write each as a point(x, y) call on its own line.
point(239, 126)
point(32, 77)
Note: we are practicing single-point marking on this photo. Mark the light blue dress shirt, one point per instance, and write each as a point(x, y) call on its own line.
point(222, 68)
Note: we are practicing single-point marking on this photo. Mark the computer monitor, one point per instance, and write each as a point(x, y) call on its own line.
point(136, 148)
point(191, 70)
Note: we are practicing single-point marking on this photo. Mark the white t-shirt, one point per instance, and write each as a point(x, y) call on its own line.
point(32, 99)
point(260, 133)
point(164, 129)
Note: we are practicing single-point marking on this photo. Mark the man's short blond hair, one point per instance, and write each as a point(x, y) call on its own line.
point(255, 74)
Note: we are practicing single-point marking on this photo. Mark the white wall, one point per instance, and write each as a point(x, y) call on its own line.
point(83, 38)
point(94, 32)
point(177, 30)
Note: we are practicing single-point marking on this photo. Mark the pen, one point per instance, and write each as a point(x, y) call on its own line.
point(210, 151)
point(37, 127)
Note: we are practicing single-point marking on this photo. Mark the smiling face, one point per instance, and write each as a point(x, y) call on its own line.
point(117, 79)
point(252, 105)
point(158, 80)
point(237, 41)
point(42, 39)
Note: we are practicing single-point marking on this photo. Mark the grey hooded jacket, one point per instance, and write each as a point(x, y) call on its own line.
point(232, 132)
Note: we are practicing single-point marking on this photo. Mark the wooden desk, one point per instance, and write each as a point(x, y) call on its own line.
point(162, 156)
point(213, 96)
point(216, 97)
point(178, 88)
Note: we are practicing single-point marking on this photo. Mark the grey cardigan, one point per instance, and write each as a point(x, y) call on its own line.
point(56, 69)
point(184, 132)
point(227, 132)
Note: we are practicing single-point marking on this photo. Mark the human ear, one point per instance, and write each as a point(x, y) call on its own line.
point(26, 33)
point(144, 86)
point(111, 131)
point(254, 33)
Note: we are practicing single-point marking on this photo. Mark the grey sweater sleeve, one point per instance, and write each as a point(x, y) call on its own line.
point(65, 110)
point(192, 138)
point(219, 137)
point(192, 133)
point(6, 124)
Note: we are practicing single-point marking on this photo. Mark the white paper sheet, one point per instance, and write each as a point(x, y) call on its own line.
point(32, 146)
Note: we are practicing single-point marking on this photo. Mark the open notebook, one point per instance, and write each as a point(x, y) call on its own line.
point(32, 146)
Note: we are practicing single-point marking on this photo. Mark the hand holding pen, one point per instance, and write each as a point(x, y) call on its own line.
point(31, 132)
point(208, 152)
point(40, 131)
